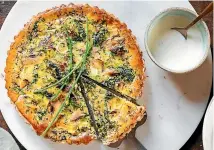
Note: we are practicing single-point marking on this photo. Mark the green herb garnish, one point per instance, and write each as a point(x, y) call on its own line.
point(82, 68)
point(70, 46)
point(59, 91)
point(60, 81)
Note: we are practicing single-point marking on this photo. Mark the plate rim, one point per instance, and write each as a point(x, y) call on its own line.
point(205, 122)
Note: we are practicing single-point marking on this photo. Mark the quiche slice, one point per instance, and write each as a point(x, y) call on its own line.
point(42, 56)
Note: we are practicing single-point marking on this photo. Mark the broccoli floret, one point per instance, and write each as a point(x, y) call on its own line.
point(99, 37)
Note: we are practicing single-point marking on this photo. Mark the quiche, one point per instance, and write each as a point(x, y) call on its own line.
point(48, 67)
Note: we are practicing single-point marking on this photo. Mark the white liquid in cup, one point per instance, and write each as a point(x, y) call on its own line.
point(170, 49)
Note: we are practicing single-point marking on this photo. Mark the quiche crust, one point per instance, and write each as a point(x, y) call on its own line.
point(136, 64)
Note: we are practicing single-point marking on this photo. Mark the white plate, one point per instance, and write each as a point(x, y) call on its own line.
point(175, 103)
point(208, 132)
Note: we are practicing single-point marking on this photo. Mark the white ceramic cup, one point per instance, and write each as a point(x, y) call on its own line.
point(168, 49)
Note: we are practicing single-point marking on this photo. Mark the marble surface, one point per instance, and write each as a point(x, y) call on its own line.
point(164, 108)
point(6, 141)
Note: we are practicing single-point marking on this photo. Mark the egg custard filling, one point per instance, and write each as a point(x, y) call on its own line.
point(45, 69)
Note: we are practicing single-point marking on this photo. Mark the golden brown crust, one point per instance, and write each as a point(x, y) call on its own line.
point(97, 14)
